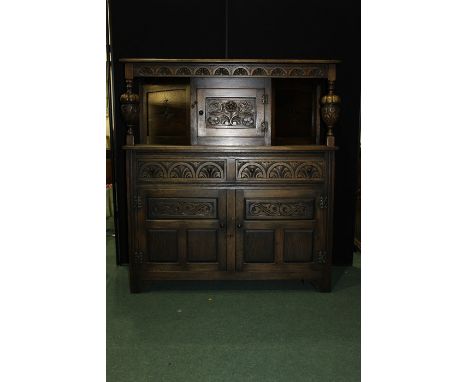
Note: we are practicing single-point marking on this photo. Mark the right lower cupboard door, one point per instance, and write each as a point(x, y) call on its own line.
point(279, 230)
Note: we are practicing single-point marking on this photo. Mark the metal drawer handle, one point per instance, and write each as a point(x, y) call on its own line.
point(221, 225)
point(239, 225)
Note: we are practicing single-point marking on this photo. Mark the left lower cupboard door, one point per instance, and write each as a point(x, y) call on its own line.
point(182, 229)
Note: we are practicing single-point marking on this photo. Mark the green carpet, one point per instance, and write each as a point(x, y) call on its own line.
point(232, 331)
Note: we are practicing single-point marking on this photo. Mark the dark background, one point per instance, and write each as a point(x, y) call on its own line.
point(325, 29)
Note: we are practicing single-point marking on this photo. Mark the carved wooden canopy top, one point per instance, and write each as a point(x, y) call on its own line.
point(228, 68)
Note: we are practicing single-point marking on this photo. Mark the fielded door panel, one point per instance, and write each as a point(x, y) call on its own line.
point(183, 229)
point(278, 230)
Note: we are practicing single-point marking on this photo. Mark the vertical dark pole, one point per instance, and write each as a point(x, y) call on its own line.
point(226, 23)
point(113, 140)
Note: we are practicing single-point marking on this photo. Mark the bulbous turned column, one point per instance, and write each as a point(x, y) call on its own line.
point(330, 109)
point(130, 105)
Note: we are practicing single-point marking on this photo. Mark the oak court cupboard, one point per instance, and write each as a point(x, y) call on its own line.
point(230, 169)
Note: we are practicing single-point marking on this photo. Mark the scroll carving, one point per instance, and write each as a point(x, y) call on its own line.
point(166, 208)
point(186, 170)
point(287, 169)
point(280, 209)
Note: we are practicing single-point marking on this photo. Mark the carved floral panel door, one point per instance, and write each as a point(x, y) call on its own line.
point(182, 229)
point(232, 111)
point(278, 230)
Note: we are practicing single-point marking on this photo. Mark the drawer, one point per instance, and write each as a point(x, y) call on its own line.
point(178, 170)
point(271, 170)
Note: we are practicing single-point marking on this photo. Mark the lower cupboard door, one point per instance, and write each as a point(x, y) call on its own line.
point(183, 230)
point(278, 230)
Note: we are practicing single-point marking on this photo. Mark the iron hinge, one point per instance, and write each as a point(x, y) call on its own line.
point(137, 202)
point(323, 202)
point(265, 99)
point(138, 257)
point(321, 257)
point(264, 126)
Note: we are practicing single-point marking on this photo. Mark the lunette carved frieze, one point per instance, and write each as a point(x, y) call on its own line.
point(193, 208)
point(279, 209)
point(231, 69)
point(187, 170)
point(254, 170)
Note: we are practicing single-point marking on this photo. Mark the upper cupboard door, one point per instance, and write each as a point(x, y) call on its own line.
point(231, 111)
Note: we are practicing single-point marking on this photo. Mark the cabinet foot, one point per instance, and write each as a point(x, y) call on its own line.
point(136, 286)
point(323, 284)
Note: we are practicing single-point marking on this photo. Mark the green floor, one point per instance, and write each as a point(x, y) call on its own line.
point(232, 331)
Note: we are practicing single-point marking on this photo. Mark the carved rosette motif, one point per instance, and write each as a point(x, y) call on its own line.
point(174, 208)
point(225, 112)
point(297, 209)
point(300, 170)
point(176, 170)
point(229, 69)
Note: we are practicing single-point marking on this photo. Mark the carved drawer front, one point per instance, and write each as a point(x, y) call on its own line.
point(180, 170)
point(280, 170)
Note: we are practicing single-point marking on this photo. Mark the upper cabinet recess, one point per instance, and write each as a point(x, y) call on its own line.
point(230, 102)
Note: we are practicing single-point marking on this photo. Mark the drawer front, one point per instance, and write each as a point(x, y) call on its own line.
point(178, 170)
point(280, 170)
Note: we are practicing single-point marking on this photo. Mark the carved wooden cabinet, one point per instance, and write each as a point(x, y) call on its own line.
point(234, 195)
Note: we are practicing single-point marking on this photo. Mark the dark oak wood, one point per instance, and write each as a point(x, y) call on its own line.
point(230, 205)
